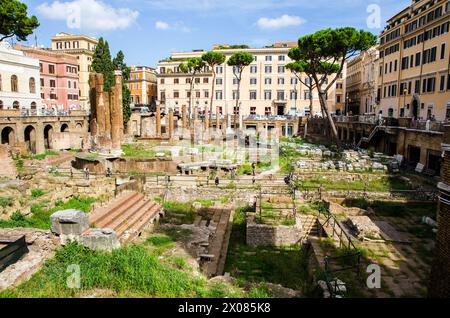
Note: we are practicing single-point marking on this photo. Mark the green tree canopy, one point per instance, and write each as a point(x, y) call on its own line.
point(325, 53)
point(102, 63)
point(193, 66)
point(119, 64)
point(14, 20)
point(213, 59)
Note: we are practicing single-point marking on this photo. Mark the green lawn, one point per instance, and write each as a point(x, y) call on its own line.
point(264, 264)
point(41, 212)
point(382, 184)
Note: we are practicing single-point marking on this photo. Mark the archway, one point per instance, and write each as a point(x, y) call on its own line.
point(48, 137)
point(64, 128)
point(79, 127)
point(8, 136)
point(30, 138)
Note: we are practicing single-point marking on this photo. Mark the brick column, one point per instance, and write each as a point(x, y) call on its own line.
point(117, 113)
point(100, 104)
point(217, 118)
point(183, 117)
point(440, 272)
point(158, 121)
point(170, 124)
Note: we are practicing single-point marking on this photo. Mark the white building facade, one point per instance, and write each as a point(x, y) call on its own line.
point(267, 87)
point(19, 80)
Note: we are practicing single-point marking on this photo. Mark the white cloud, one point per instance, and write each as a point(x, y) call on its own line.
point(280, 22)
point(177, 26)
point(93, 15)
point(160, 25)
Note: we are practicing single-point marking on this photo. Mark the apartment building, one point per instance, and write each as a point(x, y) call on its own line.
point(267, 87)
point(362, 76)
point(414, 62)
point(19, 80)
point(82, 47)
point(142, 85)
point(58, 79)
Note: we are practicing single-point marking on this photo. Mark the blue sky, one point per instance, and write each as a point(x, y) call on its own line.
point(149, 30)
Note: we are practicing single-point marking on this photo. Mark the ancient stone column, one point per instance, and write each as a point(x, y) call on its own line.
point(117, 113)
point(195, 113)
point(439, 286)
point(241, 122)
point(170, 124)
point(100, 104)
point(217, 118)
point(158, 121)
point(183, 117)
point(206, 119)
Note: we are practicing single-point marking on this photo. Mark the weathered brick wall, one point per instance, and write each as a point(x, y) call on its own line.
point(440, 272)
point(270, 235)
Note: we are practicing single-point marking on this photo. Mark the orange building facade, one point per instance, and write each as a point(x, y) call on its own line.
point(142, 85)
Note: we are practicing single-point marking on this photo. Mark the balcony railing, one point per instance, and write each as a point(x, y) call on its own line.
point(43, 113)
point(409, 123)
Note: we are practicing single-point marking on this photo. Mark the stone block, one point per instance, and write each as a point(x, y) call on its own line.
point(69, 222)
point(100, 239)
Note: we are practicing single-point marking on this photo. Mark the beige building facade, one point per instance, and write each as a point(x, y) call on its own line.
point(414, 62)
point(362, 75)
point(83, 48)
point(267, 87)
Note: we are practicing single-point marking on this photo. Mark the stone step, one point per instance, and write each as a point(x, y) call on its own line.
point(106, 214)
point(120, 219)
point(139, 226)
point(140, 213)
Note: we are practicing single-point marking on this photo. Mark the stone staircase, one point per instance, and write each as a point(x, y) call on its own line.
point(128, 215)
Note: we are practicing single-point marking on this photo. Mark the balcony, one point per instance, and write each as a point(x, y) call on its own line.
point(41, 113)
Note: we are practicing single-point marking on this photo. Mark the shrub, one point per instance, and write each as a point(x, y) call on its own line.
point(36, 193)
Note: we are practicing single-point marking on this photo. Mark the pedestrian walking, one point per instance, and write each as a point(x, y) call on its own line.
point(86, 173)
point(217, 181)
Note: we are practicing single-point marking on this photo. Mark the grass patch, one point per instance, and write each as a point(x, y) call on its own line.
point(382, 184)
point(179, 213)
point(40, 217)
point(130, 271)
point(48, 153)
point(256, 265)
point(6, 201)
point(36, 193)
point(394, 209)
point(140, 151)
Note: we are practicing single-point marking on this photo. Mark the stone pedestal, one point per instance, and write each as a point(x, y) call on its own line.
point(171, 124)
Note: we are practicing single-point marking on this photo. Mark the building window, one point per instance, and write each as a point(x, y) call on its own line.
point(1, 104)
point(281, 69)
point(253, 81)
point(280, 95)
point(69, 84)
point(197, 80)
point(219, 69)
point(338, 99)
point(252, 110)
point(252, 95)
point(51, 69)
point(218, 95)
point(442, 85)
point(253, 69)
point(176, 94)
point(307, 95)
point(188, 81)
point(53, 96)
point(14, 84)
point(52, 83)
point(293, 95)
point(197, 95)
point(206, 93)
point(267, 95)
point(268, 81)
point(235, 81)
point(162, 70)
point(281, 58)
point(76, 45)
point(163, 96)
point(268, 69)
point(32, 83)
point(268, 58)
point(235, 95)
point(443, 51)
point(219, 81)
point(280, 81)
point(294, 80)
point(268, 111)
point(236, 110)
point(67, 45)
point(176, 81)
point(205, 80)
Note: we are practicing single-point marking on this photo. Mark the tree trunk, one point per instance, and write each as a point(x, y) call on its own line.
point(191, 88)
point(323, 104)
point(237, 103)
point(212, 98)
